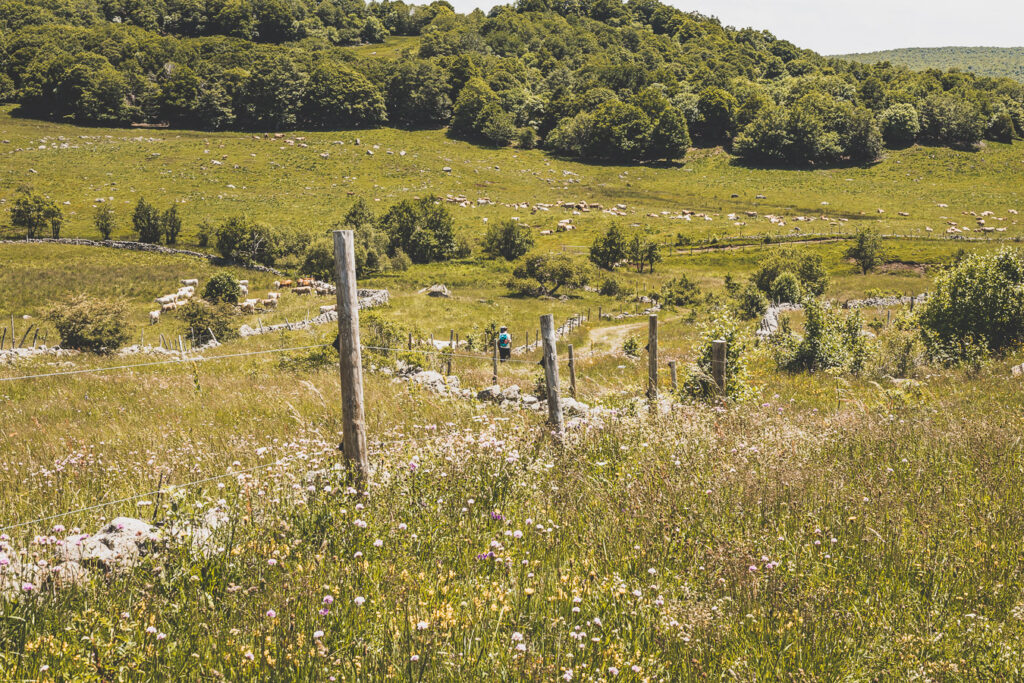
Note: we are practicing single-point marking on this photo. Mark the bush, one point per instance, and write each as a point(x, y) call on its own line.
point(222, 288)
point(242, 241)
point(809, 269)
point(170, 225)
point(318, 261)
point(89, 324)
point(752, 302)
point(202, 317)
point(540, 273)
point(608, 249)
point(681, 291)
point(900, 125)
point(829, 342)
point(610, 287)
point(507, 239)
point(700, 383)
point(204, 231)
point(400, 261)
point(103, 219)
point(979, 302)
point(146, 222)
point(786, 288)
point(900, 353)
point(867, 250)
point(631, 347)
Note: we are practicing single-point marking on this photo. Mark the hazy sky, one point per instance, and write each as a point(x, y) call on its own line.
point(842, 26)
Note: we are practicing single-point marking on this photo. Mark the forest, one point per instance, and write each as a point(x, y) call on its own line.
point(998, 62)
point(591, 79)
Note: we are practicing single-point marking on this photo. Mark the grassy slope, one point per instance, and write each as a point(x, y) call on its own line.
point(984, 61)
point(918, 488)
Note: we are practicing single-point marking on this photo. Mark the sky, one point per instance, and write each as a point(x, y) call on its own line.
point(843, 26)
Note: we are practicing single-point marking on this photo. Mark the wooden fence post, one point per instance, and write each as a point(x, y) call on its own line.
point(572, 373)
point(451, 351)
point(494, 363)
point(600, 315)
point(718, 356)
point(675, 380)
point(652, 357)
point(547, 326)
point(350, 360)
point(3, 338)
point(410, 341)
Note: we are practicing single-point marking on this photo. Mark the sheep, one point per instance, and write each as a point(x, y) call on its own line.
point(154, 317)
point(192, 281)
point(302, 290)
point(305, 282)
point(285, 283)
point(165, 299)
point(268, 303)
point(169, 306)
point(243, 291)
point(328, 309)
point(274, 295)
point(248, 306)
point(243, 283)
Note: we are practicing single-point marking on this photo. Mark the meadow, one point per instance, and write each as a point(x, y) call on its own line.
point(829, 527)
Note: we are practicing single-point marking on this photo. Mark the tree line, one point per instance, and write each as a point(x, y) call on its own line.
point(596, 79)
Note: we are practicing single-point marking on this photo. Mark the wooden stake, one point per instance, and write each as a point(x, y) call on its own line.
point(672, 371)
point(572, 373)
point(494, 362)
point(350, 360)
point(13, 337)
point(718, 356)
point(652, 357)
point(3, 338)
point(547, 326)
point(410, 341)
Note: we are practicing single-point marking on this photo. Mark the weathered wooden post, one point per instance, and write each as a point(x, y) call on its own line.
point(652, 357)
point(718, 356)
point(572, 373)
point(600, 315)
point(547, 326)
point(13, 338)
point(451, 351)
point(675, 380)
point(410, 341)
point(3, 338)
point(494, 362)
point(350, 360)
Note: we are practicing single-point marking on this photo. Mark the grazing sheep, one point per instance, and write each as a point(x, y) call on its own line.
point(165, 299)
point(327, 309)
point(302, 290)
point(243, 283)
point(169, 306)
point(268, 303)
point(305, 282)
point(248, 306)
point(154, 317)
point(243, 291)
point(193, 282)
point(274, 295)
point(285, 283)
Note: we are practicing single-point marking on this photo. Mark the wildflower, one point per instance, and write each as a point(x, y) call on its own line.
point(521, 647)
point(271, 614)
point(161, 636)
point(360, 523)
point(359, 553)
point(612, 671)
point(414, 658)
point(324, 611)
point(517, 636)
point(652, 571)
point(359, 600)
point(422, 626)
point(635, 669)
point(637, 593)
point(151, 630)
point(567, 676)
point(379, 543)
point(250, 656)
point(318, 634)
point(271, 562)
point(58, 529)
point(402, 526)
point(752, 568)
point(328, 599)
point(517, 534)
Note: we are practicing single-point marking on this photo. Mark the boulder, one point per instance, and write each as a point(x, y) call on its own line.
point(492, 393)
point(431, 380)
point(530, 400)
point(438, 291)
point(571, 406)
point(511, 393)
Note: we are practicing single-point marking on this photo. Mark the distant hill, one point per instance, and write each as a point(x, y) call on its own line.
point(983, 61)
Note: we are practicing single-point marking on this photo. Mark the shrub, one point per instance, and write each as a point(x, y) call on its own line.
point(900, 125)
point(608, 249)
point(681, 291)
point(700, 383)
point(610, 287)
point(786, 288)
point(103, 219)
point(201, 318)
point(204, 231)
point(146, 222)
point(222, 288)
point(867, 250)
point(422, 228)
point(631, 347)
point(808, 268)
point(242, 241)
point(828, 342)
point(170, 225)
point(400, 261)
point(900, 353)
point(979, 302)
point(507, 239)
point(752, 302)
point(89, 324)
point(318, 261)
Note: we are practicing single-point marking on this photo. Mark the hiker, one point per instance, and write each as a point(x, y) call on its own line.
point(504, 344)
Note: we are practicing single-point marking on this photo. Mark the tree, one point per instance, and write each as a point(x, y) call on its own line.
point(339, 97)
point(541, 273)
point(950, 120)
point(146, 222)
point(670, 138)
point(867, 249)
point(417, 94)
point(206, 322)
point(103, 219)
point(422, 228)
point(507, 239)
point(34, 213)
point(240, 240)
point(642, 252)
point(862, 141)
point(608, 249)
point(222, 288)
point(900, 125)
point(680, 291)
point(476, 99)
point(808, 268)
point(979, 302)
point(170, 224)
point(271, 95)
point(717, 110)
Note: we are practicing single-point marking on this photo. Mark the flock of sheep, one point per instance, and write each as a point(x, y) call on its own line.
point(302, 286)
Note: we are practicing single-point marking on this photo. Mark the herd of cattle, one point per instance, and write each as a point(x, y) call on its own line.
point(300, 286)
